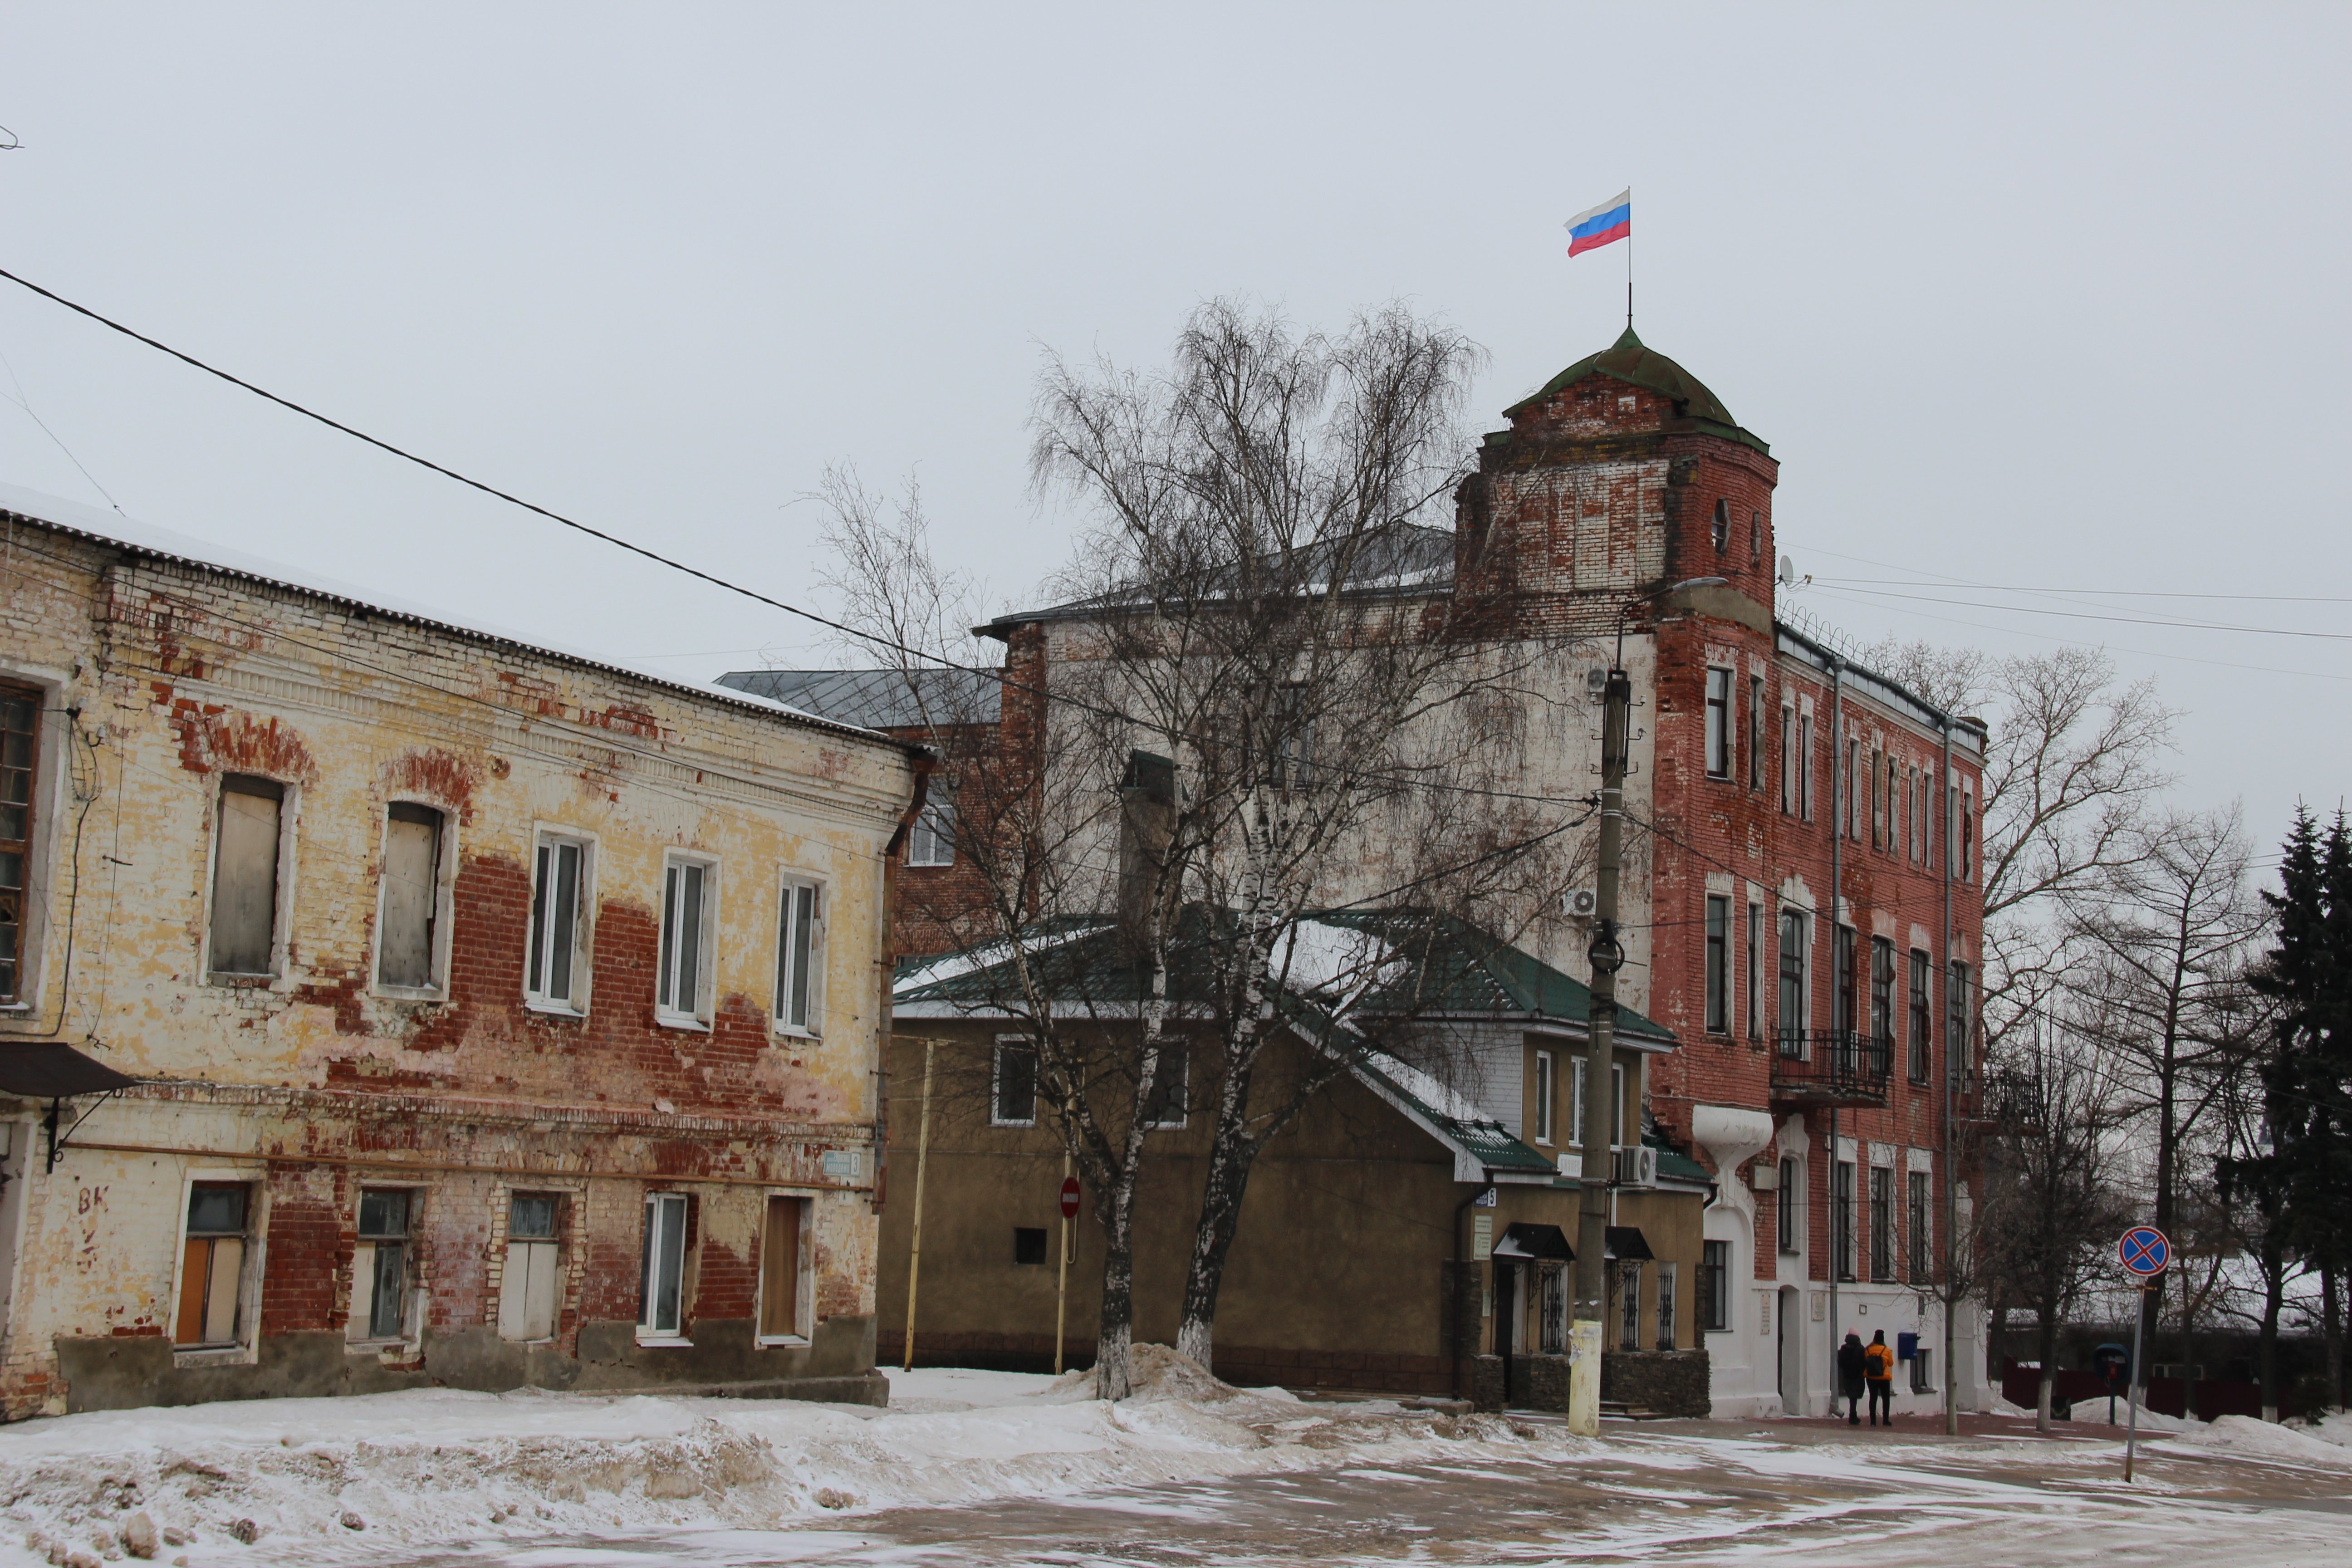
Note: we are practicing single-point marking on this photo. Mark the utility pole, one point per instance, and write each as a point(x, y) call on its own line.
point(1607, 956)
point(922, 1169)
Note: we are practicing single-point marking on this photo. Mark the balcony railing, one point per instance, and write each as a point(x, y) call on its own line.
point(1832, 1066)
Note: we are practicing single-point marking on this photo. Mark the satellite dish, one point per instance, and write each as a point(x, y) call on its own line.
point(1788, 569)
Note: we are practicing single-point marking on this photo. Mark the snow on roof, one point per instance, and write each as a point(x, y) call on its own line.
point(115, 528)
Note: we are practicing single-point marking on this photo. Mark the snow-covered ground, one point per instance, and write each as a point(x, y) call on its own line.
point(991, 1466)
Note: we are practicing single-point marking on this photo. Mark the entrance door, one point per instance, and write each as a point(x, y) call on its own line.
point(1790, 1345)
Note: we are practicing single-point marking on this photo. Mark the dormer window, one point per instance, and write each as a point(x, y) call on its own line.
point(1722, 525)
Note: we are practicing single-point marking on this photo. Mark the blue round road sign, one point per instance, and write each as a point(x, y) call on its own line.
point(2144, 1251)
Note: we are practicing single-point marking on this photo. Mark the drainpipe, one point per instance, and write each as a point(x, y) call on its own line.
point(1454, 1273)
point(1951, 1205)
point(1838, 1240)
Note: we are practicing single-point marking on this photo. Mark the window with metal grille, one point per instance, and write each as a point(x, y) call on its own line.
point(1842, 1236)
point(1629, 1305)
point(20, 750)
point(1666, 1271)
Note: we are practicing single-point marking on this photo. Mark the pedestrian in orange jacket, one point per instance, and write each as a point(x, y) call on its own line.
point(1878, 1367)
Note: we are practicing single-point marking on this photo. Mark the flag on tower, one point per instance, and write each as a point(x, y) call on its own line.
point(1611, 220)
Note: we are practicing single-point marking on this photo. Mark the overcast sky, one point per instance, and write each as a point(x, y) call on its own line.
point(2053, 298)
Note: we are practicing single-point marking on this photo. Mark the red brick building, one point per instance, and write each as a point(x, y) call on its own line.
point(1801, 903)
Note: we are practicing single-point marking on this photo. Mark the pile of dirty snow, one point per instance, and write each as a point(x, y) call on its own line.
point(359, 1479)
point(2261, 1440)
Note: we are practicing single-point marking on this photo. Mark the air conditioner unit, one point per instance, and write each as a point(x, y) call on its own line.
point(1582, 903)
point(1596, 683)
point(1637, 1166)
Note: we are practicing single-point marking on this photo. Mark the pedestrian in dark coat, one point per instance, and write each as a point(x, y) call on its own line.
point(1850, 1378)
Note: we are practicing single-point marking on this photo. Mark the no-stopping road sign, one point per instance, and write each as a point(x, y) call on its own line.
point(2144, 1251)
point(1069, 1197)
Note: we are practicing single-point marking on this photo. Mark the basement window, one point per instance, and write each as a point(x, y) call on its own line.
point(1028, 1247)
point(380, 1265)
point(244, 928)
point(409, 902)
point(531, 1289)
point(212, 1270)
point(689, 911)
point(783, 1255)
point(20, 717)
point(661, 1310)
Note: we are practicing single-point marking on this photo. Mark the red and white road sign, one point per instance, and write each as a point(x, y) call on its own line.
point(1069, 1197)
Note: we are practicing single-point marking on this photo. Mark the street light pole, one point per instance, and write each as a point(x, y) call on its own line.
point(1606, 955)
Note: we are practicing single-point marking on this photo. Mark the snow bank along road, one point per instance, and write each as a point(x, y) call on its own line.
point(1001, 1469)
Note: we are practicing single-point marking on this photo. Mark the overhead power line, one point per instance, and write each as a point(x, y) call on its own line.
point(713, 579)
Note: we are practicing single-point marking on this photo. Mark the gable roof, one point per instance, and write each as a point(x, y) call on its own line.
point(1342, 971)
point(879, 699)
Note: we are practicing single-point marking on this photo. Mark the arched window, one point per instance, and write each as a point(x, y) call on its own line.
point(1722, 525)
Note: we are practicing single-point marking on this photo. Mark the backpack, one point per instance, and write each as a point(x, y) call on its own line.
point(1878, 1364)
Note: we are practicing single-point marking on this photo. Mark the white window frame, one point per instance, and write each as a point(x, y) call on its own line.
point(1546, 1084)
point(804, 1314)
point(649, 1330)
point(669, 1014)
point(935, 826)
point(289, 814)
point(995, 1071)
point(444, 869)
point(548, 835)
point(787, 902)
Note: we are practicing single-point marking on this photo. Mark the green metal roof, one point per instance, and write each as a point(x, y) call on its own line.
point(1455, 970)
point(1630, 361)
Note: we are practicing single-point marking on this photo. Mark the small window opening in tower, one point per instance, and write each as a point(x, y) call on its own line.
point(1722, 525)
point(1755, 537)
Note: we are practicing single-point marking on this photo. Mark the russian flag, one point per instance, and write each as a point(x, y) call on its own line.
point(1611, 220)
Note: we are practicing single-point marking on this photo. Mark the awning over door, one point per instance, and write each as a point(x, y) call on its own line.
point(1523, 1243)
point(51, 1070)
point(1627, 1243)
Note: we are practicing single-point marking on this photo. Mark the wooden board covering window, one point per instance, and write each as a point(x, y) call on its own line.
point(212, 1268)
point(245, 876)
point(412, 895)
point(780, 1269)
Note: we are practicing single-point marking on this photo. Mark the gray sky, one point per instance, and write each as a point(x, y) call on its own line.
point(2052, 297)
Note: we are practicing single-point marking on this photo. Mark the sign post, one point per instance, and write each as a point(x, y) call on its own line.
point(922, 1168)
point(2144, 1251)
point(1062, 1285)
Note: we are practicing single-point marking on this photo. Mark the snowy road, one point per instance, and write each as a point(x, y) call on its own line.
point(1679, 1498)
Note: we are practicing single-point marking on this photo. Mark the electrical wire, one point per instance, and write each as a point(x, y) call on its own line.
point(696, 572)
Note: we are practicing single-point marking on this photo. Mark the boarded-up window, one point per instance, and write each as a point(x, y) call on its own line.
point(662, 1289)
point(380, 1265)
point(558, 884)
point(780, 1269)
point(533, 1285)
point(212, 1270)
point(245, 876)
point(20, 715)
point(412, 895)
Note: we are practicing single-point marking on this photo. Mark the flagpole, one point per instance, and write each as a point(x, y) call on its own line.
point(1629, 267)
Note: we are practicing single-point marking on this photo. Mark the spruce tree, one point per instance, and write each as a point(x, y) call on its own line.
point(2308, 1086)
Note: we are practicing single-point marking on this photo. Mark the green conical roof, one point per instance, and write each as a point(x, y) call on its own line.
point(1628, 361)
